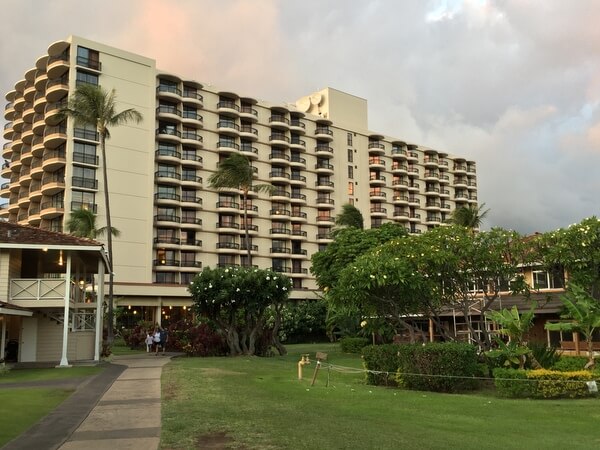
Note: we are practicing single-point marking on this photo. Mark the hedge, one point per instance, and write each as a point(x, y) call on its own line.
point(353, 344)
point(381, 358)
point(542, 383)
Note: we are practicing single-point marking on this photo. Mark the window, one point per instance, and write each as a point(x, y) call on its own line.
point(86, 131)
point(350, 188)
point(86, 78)
point(350, 155)
point(85, 153)
point(166, 212)
point(168, 86)
point(166, 192)
point(349, 138)
point(88, 58)
point(226, 260)
point(545, 280)
point(167, 170)
point(187, 278)
point(165, 278)
point(350, 172)
point(84, 177)
point(83, 200)
point(297, 283)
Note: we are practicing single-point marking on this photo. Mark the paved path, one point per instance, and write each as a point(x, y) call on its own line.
point(117, 409)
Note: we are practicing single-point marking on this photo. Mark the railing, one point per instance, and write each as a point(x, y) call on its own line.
point(41, 289)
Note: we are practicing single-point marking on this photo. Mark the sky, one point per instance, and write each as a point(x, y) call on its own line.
point(513, 84)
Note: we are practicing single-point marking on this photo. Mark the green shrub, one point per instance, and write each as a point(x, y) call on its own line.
point(512, 383)
point(439, 367)
point(382, 359)
point(570, 363)
point(353, 344)
point(302, 322)
point(544, 355)
point(555, 384)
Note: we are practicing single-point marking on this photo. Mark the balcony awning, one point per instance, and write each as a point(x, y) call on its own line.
point(7, 309)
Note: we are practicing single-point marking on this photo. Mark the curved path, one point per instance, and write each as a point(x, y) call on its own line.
point(117, 409)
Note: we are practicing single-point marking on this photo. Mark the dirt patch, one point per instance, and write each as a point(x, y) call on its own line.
point(217, 441)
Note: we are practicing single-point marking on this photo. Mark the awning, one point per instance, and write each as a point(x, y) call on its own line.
point(13, 310)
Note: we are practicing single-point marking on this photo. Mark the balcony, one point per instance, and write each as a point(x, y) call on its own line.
point(400, 215)
point(168, 91)
point(378, 211)
point(167, 176)
point(52, 209)
point(279, 139)
point(324, 167)
point(400, 199)
point(57, 65)
point(168, 112)
point(166, 241)
point(279, 214)
point(227, 246)
point(460, 168)
point(377, 180)
point(228, 128)
point(297, 179)
point(192, 118)
point(376, 163)
point(278, 157)
point(85, 183)
point(279, 121)
point(57, 88)
point(166, 198)
point(325, 185)
point(227, 226)
point(280, 195)
point(297, 144)
point(190, 158)
point(191, 201)
point(229, 206)
point(249, 151)
point(228, 146)
point(413, 156)
point(325, 202)
point(166, 220)
point(280, 231)
point(76, 206)
point(193, 138)
point(297, 126)
point(297, 161)
point(247, 112)
point(228, 107)
point(324, 150)
point(399, 153)
point(41, 292)
point(165, 264)
point(324, 133)
point(168, 134)
point(191, 179)
point(53, 184)
point(248, 132)
point(55, 136)
point(279, 176)
point(376, 148)
point(377, 195)
point(191, 222)
point(431, 161)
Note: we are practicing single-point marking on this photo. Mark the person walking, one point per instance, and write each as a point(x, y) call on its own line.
point(156, 340)
point(164, 337)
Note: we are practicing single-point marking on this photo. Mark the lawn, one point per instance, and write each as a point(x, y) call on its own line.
point(258, 403)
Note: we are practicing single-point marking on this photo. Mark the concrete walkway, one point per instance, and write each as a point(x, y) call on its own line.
point(117, 409)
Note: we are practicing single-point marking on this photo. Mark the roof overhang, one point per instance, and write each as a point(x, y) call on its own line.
point(12, 310)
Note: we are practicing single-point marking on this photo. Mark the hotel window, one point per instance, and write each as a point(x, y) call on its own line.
point(166, 278)
point(297, 283)
point(168, 86)
point(88, 58)
point(545, 280)
point(350, 188)
point(350, 155)
point(84, 177)
point(85, 153)
point(349, 138)
point(86, 78)
point(350, 172)
point(83, 200)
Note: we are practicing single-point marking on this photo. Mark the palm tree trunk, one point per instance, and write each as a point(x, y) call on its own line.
point(110, 331)
point(246, 230)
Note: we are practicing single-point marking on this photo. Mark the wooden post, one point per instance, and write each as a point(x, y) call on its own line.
point(320, 357)
point(576, 340)
point(430, 330)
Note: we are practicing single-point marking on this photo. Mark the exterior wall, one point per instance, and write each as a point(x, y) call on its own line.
point(49, 342)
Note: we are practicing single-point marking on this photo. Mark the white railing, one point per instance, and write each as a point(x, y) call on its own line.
point(43, 289)
point(83, 321)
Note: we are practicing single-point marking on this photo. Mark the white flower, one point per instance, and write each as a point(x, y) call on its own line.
point(237, 289)
point(268, 278)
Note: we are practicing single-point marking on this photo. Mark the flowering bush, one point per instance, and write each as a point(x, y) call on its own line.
point(196, 339)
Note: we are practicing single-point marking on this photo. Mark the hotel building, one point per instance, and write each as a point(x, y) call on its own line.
point(317, 153)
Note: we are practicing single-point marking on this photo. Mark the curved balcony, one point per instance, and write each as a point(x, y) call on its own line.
point(227, 227)
point(445, 179)
point(192, 96)
point(57, 89)
point(299, 216)
point(53, 160)
point(413, 156)
point(444, 193)
point(280, 231)
point(400, 215)
point(279, 121)
point(414, 187)
point(192, 138)
point(167, 220)
point(52, 209)
point(413, 171)
point(39, 124)
point(324, 237)
point(279, 139)
point(24, 200)
point(28, 112)
point(280, 195)
point(280, 214)
point(377, 180)
point(431, 161)
point(249, 132)
point(248, 112)
point(297, 180)
point(18, 102)
point(324, 168)
point(191, 222)
point(325, 203)
point(52, 112)
point(57, 65)
point(298, 234)
point(193, 119)
point(228, 206)
point(13, 208)
point(280, 251)
point(324, 133)
point(376, 148)
point(27, 134)
point(251, 210)
point(4, 211)
point(55, 136)
point(25, 177)
point(471, 185)
point(433, 205)
point(34, 217)
point(166, 242)
point(324, 150)
point(298, 144)
point(39, 102)
point(191, 159)
point(324, 185)
point(252, 229)
point(228, 146)
point(297, 126)
point(167, 155)
point(325, 219)
point(228, 128)
point(17, 142)
point(279, 176)
point(378, 211)
point(399, 153)
point(52, 184)
point(168, 91)
point(414, 217)
point(279, 157)
point(166, 264)
point(166, 198)
point(9, 111)
point(228, 107)
point(14, 185)
point(460, 182)
point(400, 199)
point(376, 163)
point(249, 151)
point(227, 247)
point(170, 112)
point(414, 201)
point(4, 191)
point(8, 131)
point(191, 201)
point(431, 175)
point(400, 184)
point(432, 191)
point(36, 169)
point(168, 134)
point(473, 198)
point(35, 191)
point(377, 195)
point(297, 161)
point(433, 219)
point(7, 151)
point(26, 156)
point(6, 170)
point(41, 78)
point(167, 176)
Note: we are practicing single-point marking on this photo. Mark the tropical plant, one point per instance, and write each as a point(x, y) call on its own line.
point(236, 172)
point(91, 105)
point(350, 217)
point(583, 314)
point(469, 216)
point(82, 223)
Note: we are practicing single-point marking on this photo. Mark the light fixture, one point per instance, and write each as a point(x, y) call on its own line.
point(128, 306)
point(60, 258)
point(184, 307)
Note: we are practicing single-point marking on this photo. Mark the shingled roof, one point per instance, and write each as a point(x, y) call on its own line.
point(12, 233)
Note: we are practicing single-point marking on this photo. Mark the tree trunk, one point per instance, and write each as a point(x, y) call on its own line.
point(276, 342)
point(110, 319)
point(246, 230)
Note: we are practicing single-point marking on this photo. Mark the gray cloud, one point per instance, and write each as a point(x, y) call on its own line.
point(514, 85)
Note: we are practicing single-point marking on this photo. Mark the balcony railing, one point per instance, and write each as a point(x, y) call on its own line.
point(42, 289)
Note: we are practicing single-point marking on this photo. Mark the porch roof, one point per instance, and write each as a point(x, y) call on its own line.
point(13, 310)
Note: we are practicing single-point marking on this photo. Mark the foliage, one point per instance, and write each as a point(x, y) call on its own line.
point(341, 322)
point(570, 363)
point(236, 299)
point(576, 250)
point(382, 362)
point(353, 344)
point(91, 105)
point(546, 356)
point(508, 354)
point(196, 339)
point(441, 367)
point(82, 223)
point(350, 217)
point(470, 217)
point(302, 321)
point(136, 336)
point(513, 383)
point(583, 313)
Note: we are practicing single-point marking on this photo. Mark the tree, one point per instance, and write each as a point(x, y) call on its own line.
point(583, 314)
point(91, 105)
point(237, 300)
point(236, 172)
point(350, 217)
point(82, 223)
point(470, 216)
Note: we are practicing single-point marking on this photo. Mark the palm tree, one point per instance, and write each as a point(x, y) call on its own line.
point(93, 106)
point(82, 223)
point(350, 217)
point(469, 216)
point(236, 172)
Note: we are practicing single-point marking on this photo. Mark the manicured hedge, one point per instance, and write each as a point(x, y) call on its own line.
point(441, 367)
point(353, 344)
point(570, 363)
point(542, 383)
point(382, 359)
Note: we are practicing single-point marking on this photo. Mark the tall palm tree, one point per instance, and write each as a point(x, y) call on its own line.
point(469, 216)
point(82, 223)
point(93, 106)
point(236, 172)
point(350, 217)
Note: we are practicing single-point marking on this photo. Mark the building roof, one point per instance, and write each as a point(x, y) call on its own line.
point(12, 233)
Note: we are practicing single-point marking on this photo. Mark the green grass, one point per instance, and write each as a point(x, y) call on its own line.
point(25, 375)
point(260, 404)
point(119, 347)
point(21, 408)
